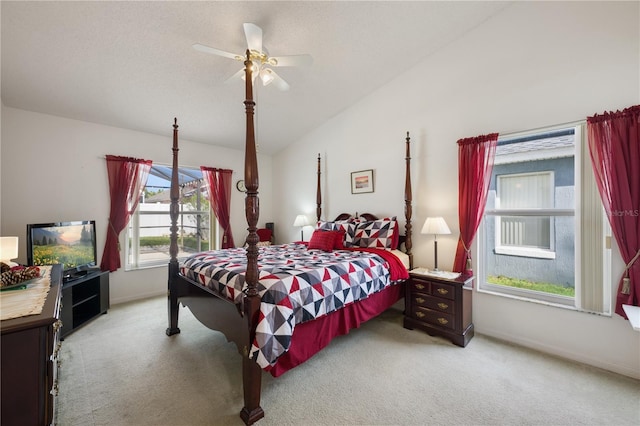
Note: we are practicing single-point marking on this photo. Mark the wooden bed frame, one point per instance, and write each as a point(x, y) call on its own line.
point(238, 322)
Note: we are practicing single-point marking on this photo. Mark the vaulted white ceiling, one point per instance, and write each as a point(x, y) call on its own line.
point(131, 64)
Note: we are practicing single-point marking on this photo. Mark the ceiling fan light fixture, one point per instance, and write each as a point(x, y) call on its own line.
point(254, 71)
point(261, 62)
point(266, 75)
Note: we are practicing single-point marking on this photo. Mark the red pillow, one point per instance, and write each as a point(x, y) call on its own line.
point(322, 240)
point(339, 239)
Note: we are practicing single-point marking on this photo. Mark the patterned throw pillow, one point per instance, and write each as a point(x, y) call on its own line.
point(377, 234)
point(322, 240)
point(347, 226)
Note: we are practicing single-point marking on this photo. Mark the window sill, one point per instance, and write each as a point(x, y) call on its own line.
point(142, 267)
point(540, 302)
point(633, 313)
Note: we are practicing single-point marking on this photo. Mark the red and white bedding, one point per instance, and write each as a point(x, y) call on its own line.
point(296, 284)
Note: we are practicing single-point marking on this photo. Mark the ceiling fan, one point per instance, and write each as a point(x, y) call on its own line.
point(260, 57)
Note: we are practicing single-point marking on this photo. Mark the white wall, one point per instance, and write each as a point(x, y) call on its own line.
point(535, 64)
point(54, 169)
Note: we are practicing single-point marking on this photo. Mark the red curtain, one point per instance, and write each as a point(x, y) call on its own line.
point(219, 189)
point(127, 178)
point(475, 164)
point(614, 144)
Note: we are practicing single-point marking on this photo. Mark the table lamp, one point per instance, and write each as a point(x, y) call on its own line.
point(301, 221)
point(436, 226)
point(8, 250)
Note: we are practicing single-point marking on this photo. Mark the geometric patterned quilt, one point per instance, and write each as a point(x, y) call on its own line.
point(295, 285)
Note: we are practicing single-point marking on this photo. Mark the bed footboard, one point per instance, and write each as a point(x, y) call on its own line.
point(212, 311)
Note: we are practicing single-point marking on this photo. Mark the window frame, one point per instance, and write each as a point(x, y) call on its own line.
point(133, 256)
point(588, 278)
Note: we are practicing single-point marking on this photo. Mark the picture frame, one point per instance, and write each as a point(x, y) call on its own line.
point(362, 181)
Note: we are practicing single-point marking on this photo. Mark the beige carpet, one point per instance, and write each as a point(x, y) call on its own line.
point(121, 369)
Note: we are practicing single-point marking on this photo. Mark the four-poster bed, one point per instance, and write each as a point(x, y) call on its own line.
point(321, 292)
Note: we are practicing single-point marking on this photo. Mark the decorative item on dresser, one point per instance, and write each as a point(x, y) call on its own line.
point(29, 351)
point(439, 303)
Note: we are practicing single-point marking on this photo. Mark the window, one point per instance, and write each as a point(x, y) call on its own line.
point(543, 236)
point(526, 234)
point(148, 233)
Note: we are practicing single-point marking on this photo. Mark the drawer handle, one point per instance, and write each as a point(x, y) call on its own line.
point(419, 286)
point(420, 314)
point(442, 306)
point(419, 300)
point(443, 321)
point(443, 291)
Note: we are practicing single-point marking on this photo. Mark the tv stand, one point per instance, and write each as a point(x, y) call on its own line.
point(85, 295)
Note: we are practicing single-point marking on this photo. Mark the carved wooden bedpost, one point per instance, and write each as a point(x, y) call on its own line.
point(407, 202)
point(318, 194)
point(173, 244)
point(251, 372)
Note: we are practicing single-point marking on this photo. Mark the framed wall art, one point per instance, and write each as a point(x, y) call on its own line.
point(362, 181)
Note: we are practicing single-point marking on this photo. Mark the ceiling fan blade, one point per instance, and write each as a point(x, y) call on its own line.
point(236, 76)
point(279, 82)
point(253, 33)
point(207, 49)
point(291, 60)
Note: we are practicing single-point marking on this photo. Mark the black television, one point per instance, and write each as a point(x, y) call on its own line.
point(72, 244)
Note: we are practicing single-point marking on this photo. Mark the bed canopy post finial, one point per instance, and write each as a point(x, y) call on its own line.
point(318, 194)
point(251, 372)
point(407, 201)
point(174, 196)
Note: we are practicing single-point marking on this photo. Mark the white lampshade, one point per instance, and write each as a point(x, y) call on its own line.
point(8, 249)
point(301, 220)
point(435, 226)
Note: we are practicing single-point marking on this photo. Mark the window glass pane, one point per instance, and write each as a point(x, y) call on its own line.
point(539, 255)
point(525, 231)
point(149, 230)
point(551, 275)
point(529, 254)
point(531, 191)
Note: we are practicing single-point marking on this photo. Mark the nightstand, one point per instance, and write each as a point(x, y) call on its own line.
point(439, 306)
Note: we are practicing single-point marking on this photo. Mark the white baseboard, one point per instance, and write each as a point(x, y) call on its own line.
point(552, 350)
point(138, 297)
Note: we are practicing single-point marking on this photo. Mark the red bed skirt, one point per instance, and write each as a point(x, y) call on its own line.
point(310, 337)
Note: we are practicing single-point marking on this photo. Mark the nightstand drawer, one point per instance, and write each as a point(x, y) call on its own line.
point(440, 319)
point(443, 290)
point(435, 303)
point(421, 286)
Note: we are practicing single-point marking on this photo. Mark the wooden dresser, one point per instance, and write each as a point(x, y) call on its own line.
point(439, 306)
point(29, 350)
